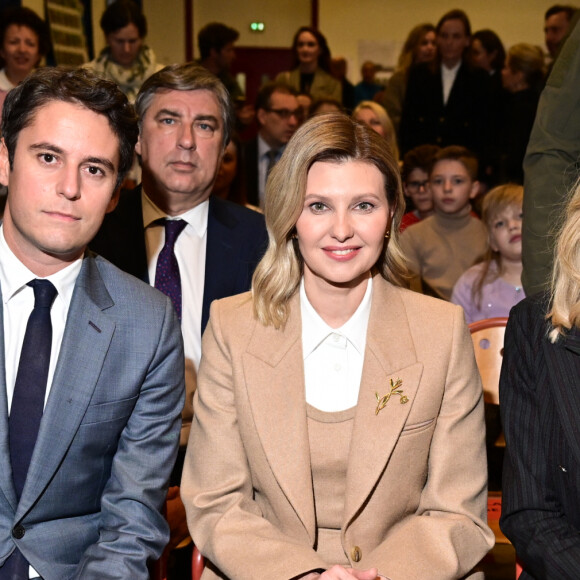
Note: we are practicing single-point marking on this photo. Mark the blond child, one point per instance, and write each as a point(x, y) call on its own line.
point(443, 246)
point(492, 287)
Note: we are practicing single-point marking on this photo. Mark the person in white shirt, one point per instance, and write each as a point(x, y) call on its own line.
point(91, 381)
point(448, 102)
point(185, 120)
point(338, 428)
point(279, 114)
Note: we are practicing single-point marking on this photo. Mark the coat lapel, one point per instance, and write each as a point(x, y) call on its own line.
point(219, 278)
point(563, 364)
point(274, 359)
point(86, 339)
point(390, 354)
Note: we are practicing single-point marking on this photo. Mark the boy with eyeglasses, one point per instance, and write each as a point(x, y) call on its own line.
point(415, 177)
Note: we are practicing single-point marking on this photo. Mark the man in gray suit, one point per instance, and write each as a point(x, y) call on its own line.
point(89, 432)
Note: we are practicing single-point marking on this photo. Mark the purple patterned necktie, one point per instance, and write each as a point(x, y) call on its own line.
point(167, 277)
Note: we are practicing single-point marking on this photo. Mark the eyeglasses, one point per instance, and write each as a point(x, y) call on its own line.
point(287, 113)
point(417, 185)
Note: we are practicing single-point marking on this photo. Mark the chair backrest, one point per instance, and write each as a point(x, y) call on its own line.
point(197, 564)
point(487, 336)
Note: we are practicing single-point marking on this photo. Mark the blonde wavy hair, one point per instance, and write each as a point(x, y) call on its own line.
point(334, 138)
point(565, 289)
point(384, 120)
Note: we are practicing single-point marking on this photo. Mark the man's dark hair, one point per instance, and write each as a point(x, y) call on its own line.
point(21, 16)
point(264, 98)
point(215, 35)
point(420, 157)
point(455, 14)
point(186, 77)
point(78, 86)
point(557, 8)
point(122, 13)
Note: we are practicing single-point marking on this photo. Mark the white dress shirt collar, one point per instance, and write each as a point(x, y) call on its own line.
point(333, 357)
point(315, 330)
point(196, 217)
point(14, 275)
point(448, 76)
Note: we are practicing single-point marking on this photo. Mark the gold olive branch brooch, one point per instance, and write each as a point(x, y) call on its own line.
point(395, 390)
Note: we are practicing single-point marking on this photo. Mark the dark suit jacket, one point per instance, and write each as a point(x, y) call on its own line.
point(540, 407)
point(90, 508)
point(236, 241)
point(464, 120)
point(250, 163)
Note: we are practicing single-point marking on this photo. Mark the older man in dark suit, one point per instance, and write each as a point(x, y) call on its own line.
point(170, 232)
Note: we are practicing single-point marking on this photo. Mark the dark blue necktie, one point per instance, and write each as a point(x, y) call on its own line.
point(272, 160)
point(167, 278)
point(28, 404)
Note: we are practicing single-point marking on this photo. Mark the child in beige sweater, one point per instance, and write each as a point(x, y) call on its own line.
point(443, 246)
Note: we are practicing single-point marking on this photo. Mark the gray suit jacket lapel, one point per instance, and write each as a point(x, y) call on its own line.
point(86, 339)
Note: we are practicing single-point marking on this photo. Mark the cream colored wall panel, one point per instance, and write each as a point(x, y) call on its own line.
point(166, 29)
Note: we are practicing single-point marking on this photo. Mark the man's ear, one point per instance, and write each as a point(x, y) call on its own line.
point(261, 116)
point(138, 144)
point(474, 189)
point(114, 200)
point(4, 164)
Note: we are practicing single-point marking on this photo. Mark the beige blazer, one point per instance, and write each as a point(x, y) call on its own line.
point(415, 503)
point(324, 85)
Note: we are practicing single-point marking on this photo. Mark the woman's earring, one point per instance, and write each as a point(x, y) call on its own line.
point(387, 234)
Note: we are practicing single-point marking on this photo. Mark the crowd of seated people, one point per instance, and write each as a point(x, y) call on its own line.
point(441, 213)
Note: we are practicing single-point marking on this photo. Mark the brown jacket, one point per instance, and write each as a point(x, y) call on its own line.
point(324, 85)
point(416, 485)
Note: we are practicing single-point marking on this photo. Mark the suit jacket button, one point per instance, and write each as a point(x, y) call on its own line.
point(356, 554)
point(18, 531)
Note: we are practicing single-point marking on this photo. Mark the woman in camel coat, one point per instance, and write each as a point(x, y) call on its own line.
point(338, 428)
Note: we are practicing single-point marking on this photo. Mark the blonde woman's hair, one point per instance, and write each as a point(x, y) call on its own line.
point(385, 122)
point(565, 289)
point(529, 60)
point(333, 138)
point(494, 202)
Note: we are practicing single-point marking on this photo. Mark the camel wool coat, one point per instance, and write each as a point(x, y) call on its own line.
point(416, 495)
